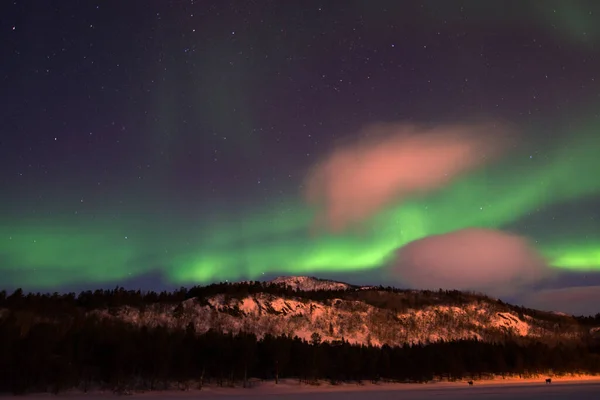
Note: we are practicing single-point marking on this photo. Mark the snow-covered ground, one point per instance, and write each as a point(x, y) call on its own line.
point(580, 388)
point(517, 392)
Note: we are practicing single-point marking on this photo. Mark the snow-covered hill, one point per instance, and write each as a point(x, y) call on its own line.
point(340, 316)
point(307, 283)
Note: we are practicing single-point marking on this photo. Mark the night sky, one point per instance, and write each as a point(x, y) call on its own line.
point(154, 144)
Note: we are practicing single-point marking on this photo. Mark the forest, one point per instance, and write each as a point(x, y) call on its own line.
point(49, 343)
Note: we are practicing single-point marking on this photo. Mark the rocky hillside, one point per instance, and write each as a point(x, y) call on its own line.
point(303, 306)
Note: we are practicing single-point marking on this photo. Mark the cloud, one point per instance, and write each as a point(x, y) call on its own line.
point(576, 300)
point(397, 161)
point(490, 261)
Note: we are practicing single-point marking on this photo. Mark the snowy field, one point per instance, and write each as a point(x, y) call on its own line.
point(555, 391)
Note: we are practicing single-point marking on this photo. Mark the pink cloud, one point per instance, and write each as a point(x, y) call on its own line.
point(396, 161)
point(493, 262)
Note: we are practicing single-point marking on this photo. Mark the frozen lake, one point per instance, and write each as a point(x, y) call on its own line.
point(555, 391)
point(583, 391)
point(530, 391)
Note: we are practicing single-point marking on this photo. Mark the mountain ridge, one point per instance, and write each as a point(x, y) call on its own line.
point(367, 315)
point(305, 306)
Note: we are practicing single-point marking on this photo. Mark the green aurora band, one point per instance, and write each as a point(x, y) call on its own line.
point(46, 254)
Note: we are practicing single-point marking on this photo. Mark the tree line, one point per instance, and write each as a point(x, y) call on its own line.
point(88, 352)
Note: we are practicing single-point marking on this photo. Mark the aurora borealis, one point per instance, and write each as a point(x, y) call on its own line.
point(185, 151)
point(276, 241)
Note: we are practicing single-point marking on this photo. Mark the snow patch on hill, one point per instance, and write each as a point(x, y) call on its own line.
point(511, 323)
point(308, 283)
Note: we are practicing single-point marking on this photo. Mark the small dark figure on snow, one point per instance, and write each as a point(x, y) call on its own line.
point(548, 380)
point(470, 383)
